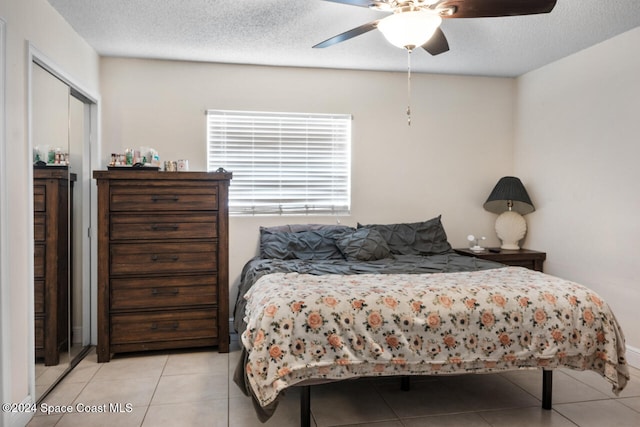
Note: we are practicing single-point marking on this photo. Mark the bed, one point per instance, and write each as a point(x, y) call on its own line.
point(327, 303)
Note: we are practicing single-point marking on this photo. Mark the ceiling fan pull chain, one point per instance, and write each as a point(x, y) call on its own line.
point(408, 87)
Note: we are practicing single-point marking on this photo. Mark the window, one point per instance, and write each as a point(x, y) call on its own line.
point(282, 163)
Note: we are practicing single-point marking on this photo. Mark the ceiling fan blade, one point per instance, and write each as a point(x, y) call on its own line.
point(361, 3)
point(349, 34)
point(495, 8)
point(437, 44)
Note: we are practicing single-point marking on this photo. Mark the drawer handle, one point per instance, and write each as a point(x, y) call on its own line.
point(172, 292)
point(168, 258)
point(165, 227)
point(164, 199)
point(165, 327)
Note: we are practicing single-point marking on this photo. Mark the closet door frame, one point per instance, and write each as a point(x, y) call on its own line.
point(34, 56)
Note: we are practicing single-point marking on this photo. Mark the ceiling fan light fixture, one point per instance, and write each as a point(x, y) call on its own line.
point(411, 29)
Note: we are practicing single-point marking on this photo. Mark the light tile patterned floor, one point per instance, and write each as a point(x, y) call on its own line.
point(195, 388)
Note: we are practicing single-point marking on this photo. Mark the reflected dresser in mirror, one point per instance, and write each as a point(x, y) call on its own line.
point(52, 197)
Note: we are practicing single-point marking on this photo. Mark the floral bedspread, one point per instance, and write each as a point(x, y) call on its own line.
point(303, 327)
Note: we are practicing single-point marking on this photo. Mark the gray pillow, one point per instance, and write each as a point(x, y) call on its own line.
point(363, 245)
point(308, 245)
point(418, 238)
point(296, 228)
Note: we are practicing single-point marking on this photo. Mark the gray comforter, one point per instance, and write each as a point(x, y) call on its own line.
point(407, 264)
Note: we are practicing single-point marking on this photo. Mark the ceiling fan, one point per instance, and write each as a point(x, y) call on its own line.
point(416, 23)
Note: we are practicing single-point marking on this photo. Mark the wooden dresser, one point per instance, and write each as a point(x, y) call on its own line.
point(52, 194)
point(163, 275)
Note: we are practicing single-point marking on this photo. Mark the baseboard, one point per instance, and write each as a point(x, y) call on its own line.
point(633, 356)
point(21, 418)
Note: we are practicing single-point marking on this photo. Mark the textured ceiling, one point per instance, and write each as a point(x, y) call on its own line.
point(281, 32)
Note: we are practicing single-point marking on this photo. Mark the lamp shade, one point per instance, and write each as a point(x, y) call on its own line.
point(409, 29)
point(509, 189)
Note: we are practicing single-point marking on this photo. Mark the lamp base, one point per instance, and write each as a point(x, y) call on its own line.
point(510, 247)
point(510, 228)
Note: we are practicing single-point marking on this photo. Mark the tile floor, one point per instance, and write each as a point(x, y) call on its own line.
point(195, 388)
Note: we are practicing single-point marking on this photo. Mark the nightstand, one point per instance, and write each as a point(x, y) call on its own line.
point(519, 258)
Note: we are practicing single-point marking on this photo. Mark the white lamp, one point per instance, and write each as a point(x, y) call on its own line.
point(510, 199)
point(409, 29)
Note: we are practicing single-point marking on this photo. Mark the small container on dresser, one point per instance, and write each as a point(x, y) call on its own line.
point(163, 277)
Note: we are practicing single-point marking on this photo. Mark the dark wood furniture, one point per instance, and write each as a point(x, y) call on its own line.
point(532, 260)
point(163, 275)
point(52, 196)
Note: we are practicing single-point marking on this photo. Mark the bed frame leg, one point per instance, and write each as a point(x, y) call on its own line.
point(305, 406)
point(547, 388)
point(405, 383)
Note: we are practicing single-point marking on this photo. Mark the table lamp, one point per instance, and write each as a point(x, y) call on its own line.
point(510, 200)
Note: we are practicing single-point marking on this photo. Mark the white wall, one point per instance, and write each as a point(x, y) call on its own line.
point(577, 149)
point(459, 143)
point(32, 21)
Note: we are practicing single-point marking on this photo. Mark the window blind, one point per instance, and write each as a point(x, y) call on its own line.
point(282, 163)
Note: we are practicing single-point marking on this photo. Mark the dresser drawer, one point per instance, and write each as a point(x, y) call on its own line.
point(39, 197)
point(151, 258)
point(163, 326)
point(150, 227)
point(521, 263)
point(153, 197)
point(39, 260)
point(39, 227)
point(38, 296)
point(163, 292)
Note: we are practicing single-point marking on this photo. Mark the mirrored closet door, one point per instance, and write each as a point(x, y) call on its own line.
point(60, 126)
